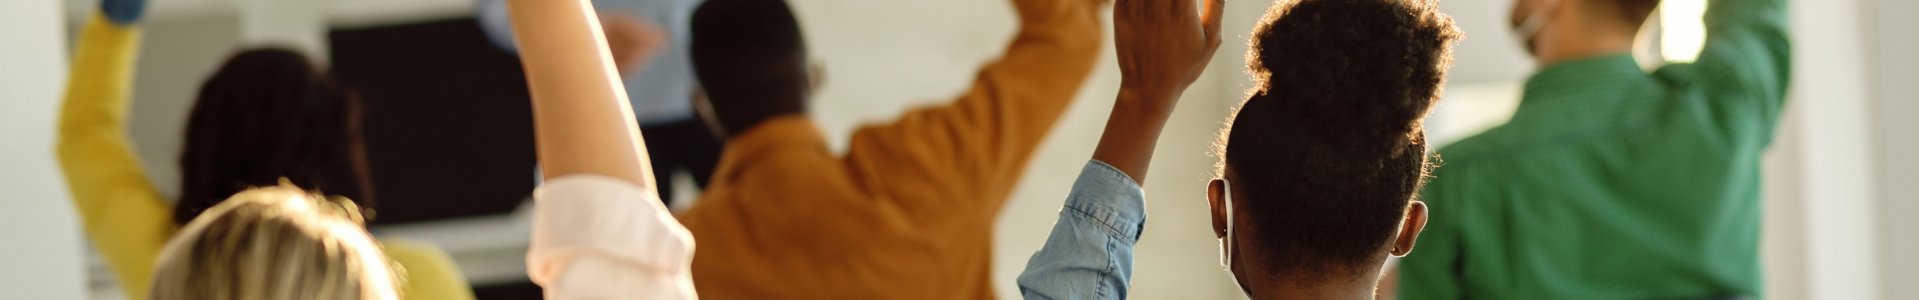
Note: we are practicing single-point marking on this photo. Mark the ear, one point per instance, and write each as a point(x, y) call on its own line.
point(1216, 200)
point(1414, 222)
point(815, 75)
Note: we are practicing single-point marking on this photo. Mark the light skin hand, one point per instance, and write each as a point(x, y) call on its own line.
point(1163, 45)
point(632, 40)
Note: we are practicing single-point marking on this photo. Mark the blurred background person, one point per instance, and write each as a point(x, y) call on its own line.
point(661, 88)
point(1610, 181)
point(908, 211)
point(267, 116)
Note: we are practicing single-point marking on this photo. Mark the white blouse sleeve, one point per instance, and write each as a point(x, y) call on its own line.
point(597, 237)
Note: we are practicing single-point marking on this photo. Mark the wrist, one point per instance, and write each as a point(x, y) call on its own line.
point(1142, 101)
point(1149, 88)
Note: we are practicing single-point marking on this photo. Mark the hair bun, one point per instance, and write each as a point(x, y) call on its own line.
point(1353, 70)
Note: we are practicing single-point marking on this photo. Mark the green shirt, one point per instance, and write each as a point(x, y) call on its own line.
point(1612, 183)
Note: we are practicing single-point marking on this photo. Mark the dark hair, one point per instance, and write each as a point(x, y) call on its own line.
point(1328, 150)
point(268, 114)
point(1635, 12)
point(751, 59)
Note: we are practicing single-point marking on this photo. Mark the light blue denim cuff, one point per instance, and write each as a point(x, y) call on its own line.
point(1109, 197)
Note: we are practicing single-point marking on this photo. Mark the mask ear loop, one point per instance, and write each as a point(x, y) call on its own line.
point(1230, 242)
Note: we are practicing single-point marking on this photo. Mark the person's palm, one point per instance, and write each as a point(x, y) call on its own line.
point(632, 40)
point(1164, 45)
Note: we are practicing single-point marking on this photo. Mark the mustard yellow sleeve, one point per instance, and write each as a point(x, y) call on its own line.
point(427, 271)
point(123, 214)
point(982, 141)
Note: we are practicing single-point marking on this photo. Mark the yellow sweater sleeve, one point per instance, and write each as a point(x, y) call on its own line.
point(123, 214)
point(427, 271)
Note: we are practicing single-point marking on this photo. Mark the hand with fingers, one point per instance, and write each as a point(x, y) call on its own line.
point(123, 12)
point(1164, 45)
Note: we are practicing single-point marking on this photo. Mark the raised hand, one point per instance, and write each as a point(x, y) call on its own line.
point(1163, 47)
point(632, 39)
point(123, 12)
point(1164, 44)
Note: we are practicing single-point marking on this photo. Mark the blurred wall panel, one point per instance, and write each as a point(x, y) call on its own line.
point(43, 258)
point(177, 54)
point(1897, 140)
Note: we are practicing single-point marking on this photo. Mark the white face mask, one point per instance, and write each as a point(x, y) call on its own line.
point(1228, 243)
point(1535, 21)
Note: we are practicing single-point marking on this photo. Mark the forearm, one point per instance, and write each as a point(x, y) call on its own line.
point(1746, 31)
point(1740, 33)
point(1055, 48)
point(1090, 251)
point(582, 121)
point(1040, 15)
point(1746, 63)
point(124, 216)
point(985, 138)
point(1076, 261)
point(1132, 131)
point(100, 76)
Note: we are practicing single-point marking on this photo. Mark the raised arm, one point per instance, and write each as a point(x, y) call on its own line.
point(599, 230)
point(1746, 62)
point(1163, 47)
point(986, 136)
point(124, 215)
point(581, 119)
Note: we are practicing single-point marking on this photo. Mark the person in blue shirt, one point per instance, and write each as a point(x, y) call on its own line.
point(661, 89)
point(1321, 163)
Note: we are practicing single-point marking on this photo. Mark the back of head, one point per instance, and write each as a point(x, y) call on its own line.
point(267, 114)
point(274, 243)
point(751, 59)
point(1634, 12)
point(1327, 151)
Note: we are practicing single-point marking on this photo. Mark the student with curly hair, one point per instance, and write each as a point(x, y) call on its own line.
point(1320, 166)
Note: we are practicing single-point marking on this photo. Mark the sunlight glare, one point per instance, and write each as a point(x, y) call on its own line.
point(1683, 31)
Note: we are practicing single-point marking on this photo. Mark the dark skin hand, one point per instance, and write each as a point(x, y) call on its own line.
point(1163, 47)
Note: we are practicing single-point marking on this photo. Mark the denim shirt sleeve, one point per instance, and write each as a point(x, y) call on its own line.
point(1090, 252)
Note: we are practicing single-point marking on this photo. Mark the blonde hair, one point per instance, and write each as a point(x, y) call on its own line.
point(275, 243)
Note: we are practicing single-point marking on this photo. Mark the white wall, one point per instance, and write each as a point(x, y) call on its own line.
point(43, 258)
point(1833, 250)
point(1896, 134)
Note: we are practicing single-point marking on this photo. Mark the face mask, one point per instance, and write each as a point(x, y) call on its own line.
point(1228, 243)
point(1530, 27)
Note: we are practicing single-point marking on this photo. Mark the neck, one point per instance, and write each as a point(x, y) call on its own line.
point(1567, 43)
point(1355, 288)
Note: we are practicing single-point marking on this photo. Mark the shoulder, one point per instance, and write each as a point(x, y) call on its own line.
point(1677, 74)
point(428, 272)
point(415, 255)
point(1490, 142)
